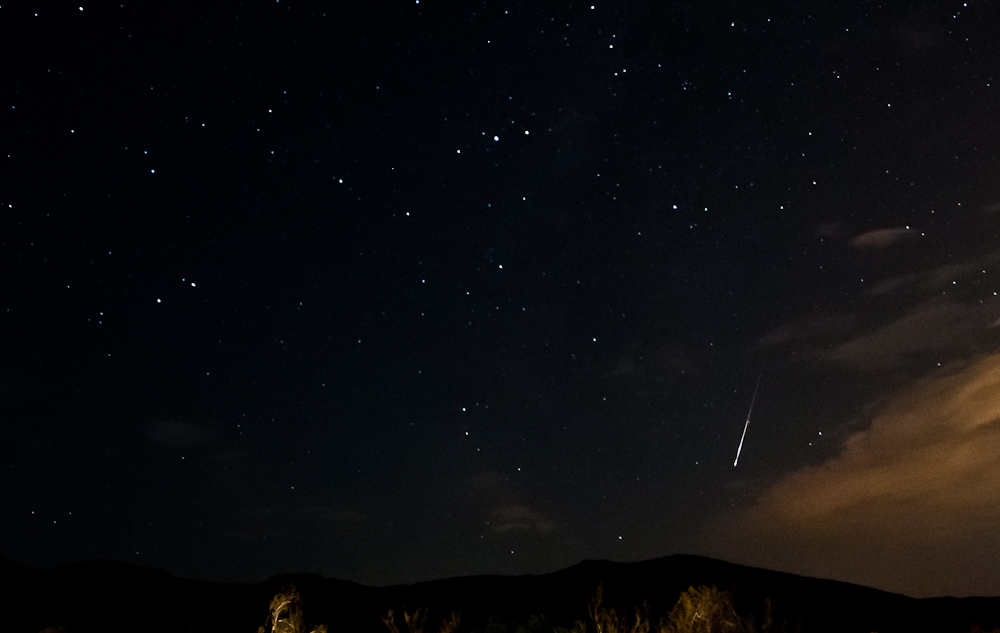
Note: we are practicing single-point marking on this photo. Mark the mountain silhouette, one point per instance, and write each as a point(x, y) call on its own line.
point(109, 597)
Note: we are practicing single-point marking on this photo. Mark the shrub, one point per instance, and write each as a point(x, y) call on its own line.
point(704, 610)
point(607, 620)
point(537, 623)
point(416, 621)
point(285, 614)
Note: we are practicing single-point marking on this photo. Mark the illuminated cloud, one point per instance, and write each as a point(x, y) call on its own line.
point(938, 324)
point(881, 238)
point(945, 276)
point(503, 510)
point(936, 279)
point(819, 327)
point(892, 284)
point(911, 504)
point(519, 518)
point(932, 324)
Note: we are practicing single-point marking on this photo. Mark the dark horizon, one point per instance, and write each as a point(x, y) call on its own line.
point(567, 600)
point(424, 290)
point(691, 564)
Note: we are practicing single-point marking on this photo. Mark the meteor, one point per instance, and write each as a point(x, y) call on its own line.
point(752, 400)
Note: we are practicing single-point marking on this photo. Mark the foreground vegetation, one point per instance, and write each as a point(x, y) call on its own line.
point(285, 615)
point(697, 610)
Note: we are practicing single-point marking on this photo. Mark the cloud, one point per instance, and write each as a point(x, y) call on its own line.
point(911, 504)
point(817, 327)
point(892, 284)
point(519, 518)
point(938, 323)
point(935, 325)
point(945, 276)
point(505, 512)
point(881, 238)
point(935, 279)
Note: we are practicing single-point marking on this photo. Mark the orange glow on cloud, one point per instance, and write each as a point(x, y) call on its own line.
point(911, 504)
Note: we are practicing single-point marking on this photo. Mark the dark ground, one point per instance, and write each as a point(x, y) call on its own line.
point(108, 597)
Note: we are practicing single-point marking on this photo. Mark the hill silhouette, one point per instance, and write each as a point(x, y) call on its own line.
point(111, 597)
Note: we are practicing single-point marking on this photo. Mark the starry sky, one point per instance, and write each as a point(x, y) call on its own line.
point(396, 291)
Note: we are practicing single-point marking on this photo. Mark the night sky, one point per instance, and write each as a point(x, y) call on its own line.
point(397, 291)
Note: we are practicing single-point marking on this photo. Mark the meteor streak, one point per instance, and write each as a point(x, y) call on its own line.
point(752, 400)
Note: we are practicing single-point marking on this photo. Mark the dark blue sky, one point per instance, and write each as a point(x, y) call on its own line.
point(413, 290)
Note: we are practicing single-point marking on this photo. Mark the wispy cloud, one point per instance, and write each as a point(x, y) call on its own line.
point(506, 512)
point(892, 284)
point(938, 324)
point(519, 518)
point(944, 317)
point(949, 275)
point(818, 327)
point(881, 238)
point(935, 279)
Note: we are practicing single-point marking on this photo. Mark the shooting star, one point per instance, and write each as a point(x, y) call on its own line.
point(752, 400)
